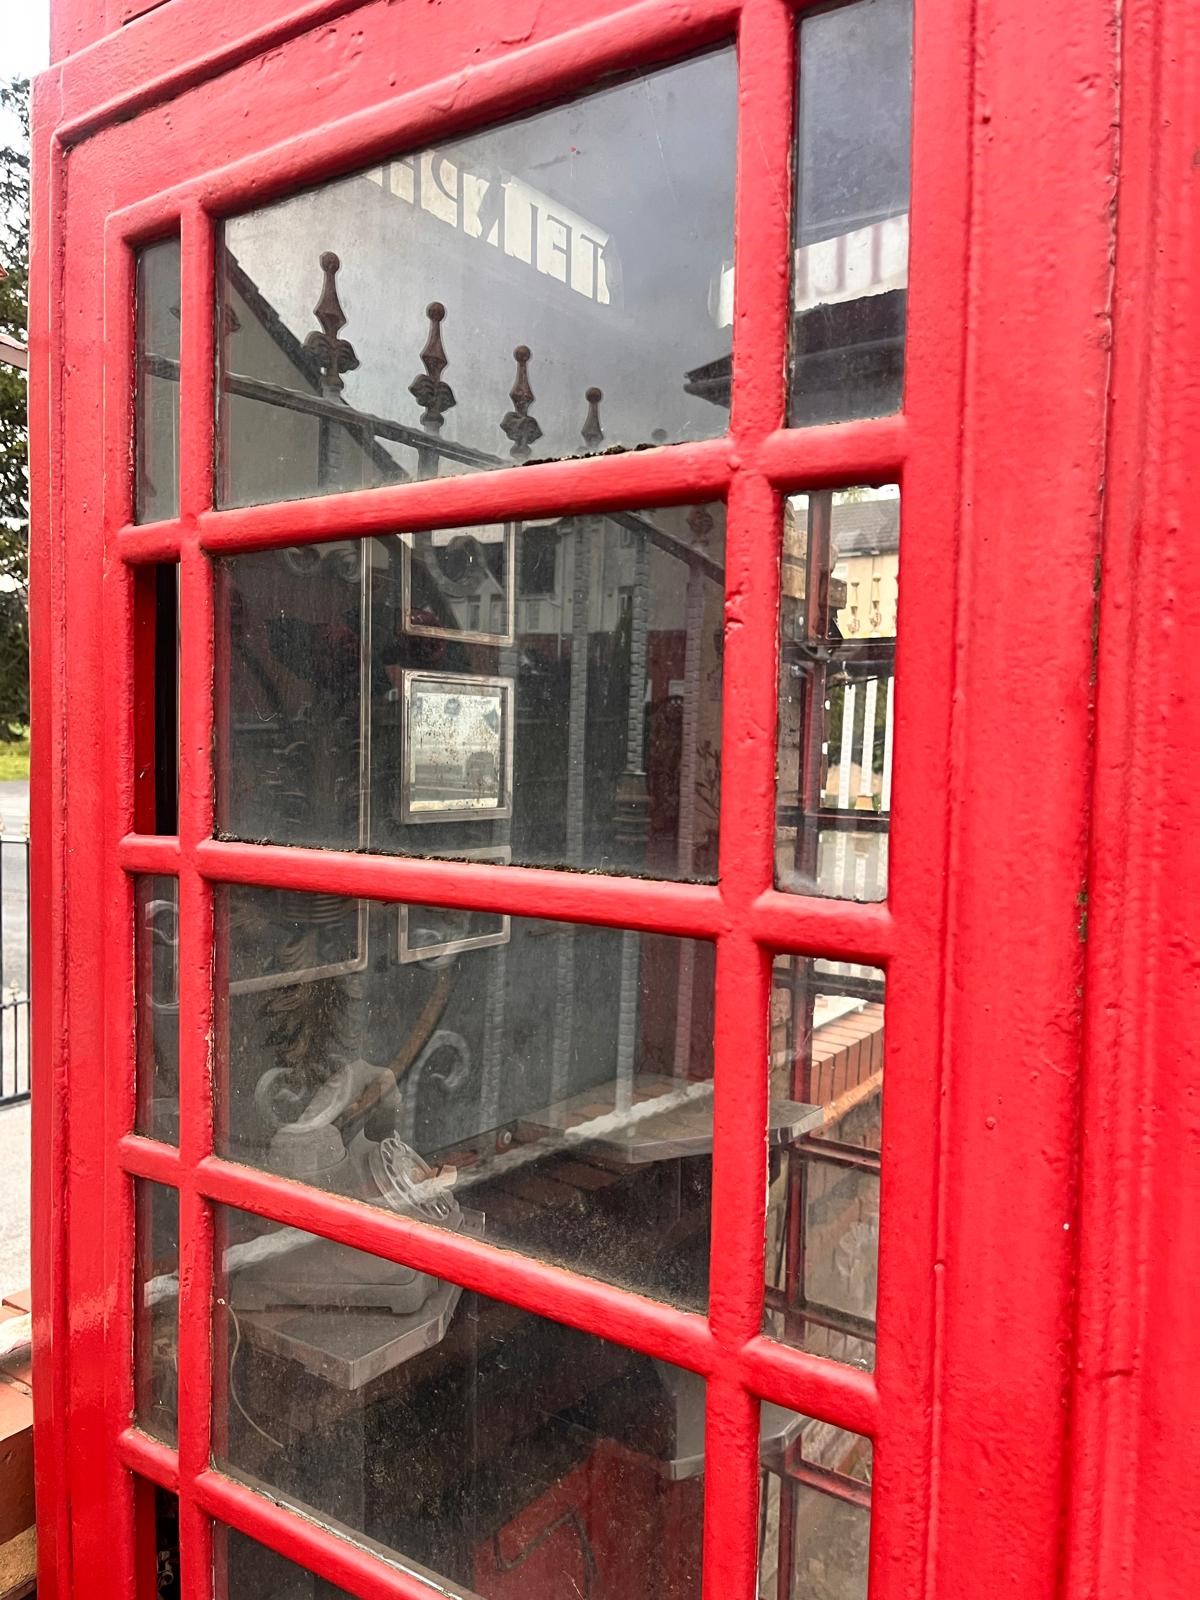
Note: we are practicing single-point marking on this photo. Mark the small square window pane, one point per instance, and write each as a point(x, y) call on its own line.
point(489, 1450)
point(156, 985)
point(246, 1570)
point(837, 653)
point(542, 1085)
point(156, 426)
point(531, 290)
point(850, 266)
point(156, 1310)
point(552, 690)
point(815, 1518)
point(827, 1052)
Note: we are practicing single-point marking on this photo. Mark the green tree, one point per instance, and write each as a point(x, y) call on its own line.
point(14, 434)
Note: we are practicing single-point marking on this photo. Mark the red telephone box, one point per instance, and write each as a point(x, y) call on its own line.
point(608, 580)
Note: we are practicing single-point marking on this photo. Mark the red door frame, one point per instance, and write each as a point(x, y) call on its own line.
point(1001, 453)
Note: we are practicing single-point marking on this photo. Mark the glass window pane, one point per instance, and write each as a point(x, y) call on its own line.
point(480, 1445)
point(837, 654)
point(544, 1085)
point(156, 1512)
point(472, 305)
point(156, 952)
point(827, 1024)
point(551, 691)
point(156, 1310)
point(850, 271)
point(815, 1517)
point(246, 1570)
point(156, 482)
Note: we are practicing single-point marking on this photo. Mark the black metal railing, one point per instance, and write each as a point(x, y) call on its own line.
point(14, 967)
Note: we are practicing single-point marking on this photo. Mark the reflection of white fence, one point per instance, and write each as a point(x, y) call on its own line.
point(852, 865)
point(852, 862)
point(859, 778)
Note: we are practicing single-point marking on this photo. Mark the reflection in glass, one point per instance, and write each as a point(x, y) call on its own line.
point(550, 689)
point(157, 1512)
point(156, 1310)
point(481, 1446)
point(156, 985)
point(156, 428)
point(533, 290)
point(246, 1570)
point(815, 1515)
point(544, 1085)
point(837, 653)
point(850, 270)
point(823, 1200)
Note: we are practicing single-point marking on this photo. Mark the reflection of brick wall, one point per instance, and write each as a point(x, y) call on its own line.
point(846, 1053)
point(841, 1214)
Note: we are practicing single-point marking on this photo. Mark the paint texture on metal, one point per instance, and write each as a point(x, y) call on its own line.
point(1030, 1389)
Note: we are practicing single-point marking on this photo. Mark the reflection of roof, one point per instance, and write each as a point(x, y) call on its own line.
point(306, 365)
point(13, 352)
point(866, 527)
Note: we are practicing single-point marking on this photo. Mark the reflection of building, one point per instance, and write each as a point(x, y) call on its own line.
point(837, 669)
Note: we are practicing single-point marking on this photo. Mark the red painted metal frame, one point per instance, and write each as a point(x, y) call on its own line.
point(146, 133)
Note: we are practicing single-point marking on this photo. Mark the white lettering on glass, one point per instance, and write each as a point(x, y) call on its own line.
point(510, 216)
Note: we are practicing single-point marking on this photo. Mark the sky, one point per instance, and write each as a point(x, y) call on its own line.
point(24, 37)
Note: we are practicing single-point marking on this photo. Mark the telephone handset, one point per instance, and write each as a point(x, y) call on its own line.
point(327, 1144)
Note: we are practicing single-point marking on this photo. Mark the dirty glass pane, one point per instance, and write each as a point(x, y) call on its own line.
point(837, 654)
point(156, 985)
point(546, 693)
point(156, 428)
point(543, 1085)
point(850, 269)
point(539, 289)
point(481, 1446)
point(157, 1512)
point(246, 1570)
point(823, 1197)
point(815, 1515)
point(156, 1310)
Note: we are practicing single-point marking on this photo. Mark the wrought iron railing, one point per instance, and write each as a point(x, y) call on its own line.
point(14, 966)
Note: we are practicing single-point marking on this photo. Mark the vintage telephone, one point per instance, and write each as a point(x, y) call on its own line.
point(328, 1145)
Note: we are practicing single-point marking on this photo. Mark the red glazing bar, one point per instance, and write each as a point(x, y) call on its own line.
point(149, 852)
point(865, 451)
point(148, 542)
point(666, 475)
point(146, 1158)
point(119, 794)
point(679, 1337)
point(762, 224)
point(139, 1453)
point(835, 455)
point(837, 930)
point(195, 897)
point(842, 1395)
point(688, 909)
point(347, 1565)
point(910, 1490)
